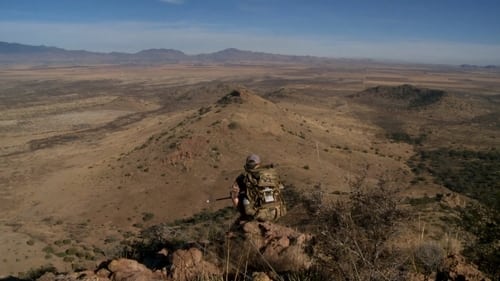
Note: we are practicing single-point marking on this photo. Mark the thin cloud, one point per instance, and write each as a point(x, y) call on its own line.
point(176, 2)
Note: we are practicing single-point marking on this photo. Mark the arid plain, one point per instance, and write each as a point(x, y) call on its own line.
point(91, 155)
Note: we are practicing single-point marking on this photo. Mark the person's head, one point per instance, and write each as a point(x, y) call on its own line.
point(252, 161)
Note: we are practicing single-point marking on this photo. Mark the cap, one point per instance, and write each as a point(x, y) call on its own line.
point(253, 159)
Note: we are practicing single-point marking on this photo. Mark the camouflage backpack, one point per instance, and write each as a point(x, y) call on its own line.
point(264, 193)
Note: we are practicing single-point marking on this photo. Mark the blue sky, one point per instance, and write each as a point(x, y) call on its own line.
point(438, 31)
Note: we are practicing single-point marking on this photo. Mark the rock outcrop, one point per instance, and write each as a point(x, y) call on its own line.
point(456, 268)
point(116, 270)
point(190, 264)
point(271, 247)
point(258, 246)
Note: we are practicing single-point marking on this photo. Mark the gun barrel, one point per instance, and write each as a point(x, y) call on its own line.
point(223, 198)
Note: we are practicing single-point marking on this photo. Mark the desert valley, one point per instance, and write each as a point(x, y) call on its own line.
point(92, 155)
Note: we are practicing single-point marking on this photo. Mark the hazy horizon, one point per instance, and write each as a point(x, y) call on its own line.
point(448, 32)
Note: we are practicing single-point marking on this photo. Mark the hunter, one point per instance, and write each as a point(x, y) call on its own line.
point(256, 192)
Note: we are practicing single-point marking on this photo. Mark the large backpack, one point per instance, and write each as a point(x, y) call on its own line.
point(264, 193)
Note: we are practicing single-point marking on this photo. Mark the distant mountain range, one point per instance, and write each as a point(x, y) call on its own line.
point(14, 53)
point(490, 66)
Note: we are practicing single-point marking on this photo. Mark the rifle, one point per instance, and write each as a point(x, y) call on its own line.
point(220, 198)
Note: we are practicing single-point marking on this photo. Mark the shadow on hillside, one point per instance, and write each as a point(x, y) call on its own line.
point(11, 278)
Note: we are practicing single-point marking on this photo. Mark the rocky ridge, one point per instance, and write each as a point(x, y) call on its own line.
point(252, 249)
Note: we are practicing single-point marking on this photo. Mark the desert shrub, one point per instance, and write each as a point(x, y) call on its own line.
point(416, 201)
point(205, 215)
point(98, 251)
point(292, 196)
point(484, 251)
point(110, 239)
point(428, 256)
point(36, 273)
point(313, 274)
point(147, 216)
point(71, 251)
point(69, 259)
point(473, 173)
point(210, 278)
point(404, 137)
point(232, 97)
point(313, 201)
point(353, 234)
point(233, 125)
point(426, 97)
point(205, 225)
point(204, 110)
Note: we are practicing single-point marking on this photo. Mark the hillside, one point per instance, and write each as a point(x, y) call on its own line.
point(400, 97)
point(196, 159)
point(116, 179)
point(95, 158)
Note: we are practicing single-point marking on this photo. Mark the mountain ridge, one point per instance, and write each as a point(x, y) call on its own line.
point(12, 53)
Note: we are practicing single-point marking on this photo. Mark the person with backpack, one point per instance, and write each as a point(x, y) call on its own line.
point(256, 192)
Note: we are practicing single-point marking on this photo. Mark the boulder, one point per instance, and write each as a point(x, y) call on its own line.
point(270, 246)
point(260, 276)
point(129, 270)
point(47, 276)
point(103, 272)
point(190, 264)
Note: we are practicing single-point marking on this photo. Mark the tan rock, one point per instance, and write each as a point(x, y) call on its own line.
point(129, 270)
point(163, 252)
point(260, 276)
point(103, 272)
point(270, 244)
point(47, 276)
point(126, 265)
point(189, 264)
point(455, 267)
